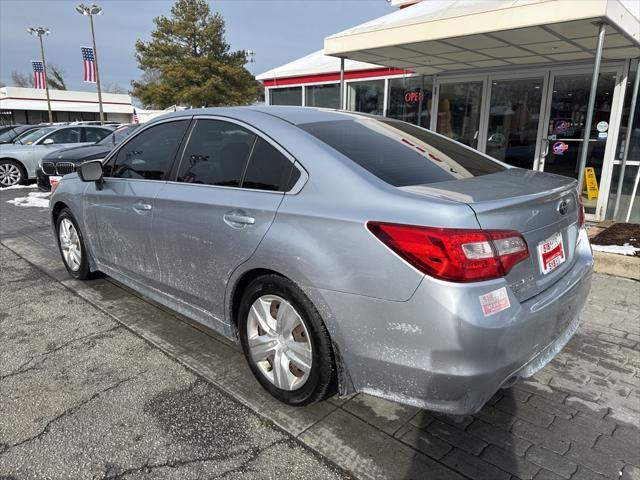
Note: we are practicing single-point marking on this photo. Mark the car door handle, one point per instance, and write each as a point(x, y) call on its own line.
point(141, 207)
point(238, 219)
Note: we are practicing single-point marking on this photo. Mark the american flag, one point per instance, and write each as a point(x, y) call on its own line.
point(89, 64)
point(135, 118)
point(39, 79)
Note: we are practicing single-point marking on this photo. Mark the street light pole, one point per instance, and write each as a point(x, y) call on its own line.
point(39, 32)
point(90, 11)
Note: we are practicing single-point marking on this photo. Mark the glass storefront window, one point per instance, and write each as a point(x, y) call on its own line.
point(459, 111)
point(410, 100)
point(285, 96)
point(514, 115)
point(324, 96)
point(629, 181)
point(366, 97)
point(633, 160)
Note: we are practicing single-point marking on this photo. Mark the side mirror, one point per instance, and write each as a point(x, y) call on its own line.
point(91, 171)
point(48, 141)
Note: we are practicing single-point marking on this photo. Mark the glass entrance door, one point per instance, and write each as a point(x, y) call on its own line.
point(564, 128)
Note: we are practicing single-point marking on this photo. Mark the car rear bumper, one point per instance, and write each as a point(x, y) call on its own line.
point(439, 351)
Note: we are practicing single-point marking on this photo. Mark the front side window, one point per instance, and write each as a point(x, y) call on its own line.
point(66, 135)
point(150, 155)
point(399, 153)
point(216, 154)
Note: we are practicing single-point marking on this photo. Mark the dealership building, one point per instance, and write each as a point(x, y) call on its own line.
point(23, 106)
point(510, 78)
point(29, 106)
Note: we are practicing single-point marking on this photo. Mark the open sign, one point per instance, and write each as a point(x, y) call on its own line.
point(413, 97)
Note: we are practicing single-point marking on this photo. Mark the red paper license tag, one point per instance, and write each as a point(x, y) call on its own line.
point(495, 301)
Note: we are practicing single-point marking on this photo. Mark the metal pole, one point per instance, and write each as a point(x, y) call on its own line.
point(95, 58)
point(46, 80)
point(342, 105)
point(590, 107)
point(627, 141)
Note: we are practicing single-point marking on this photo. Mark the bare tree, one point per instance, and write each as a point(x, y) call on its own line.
point(20, 79)
point(55, 77)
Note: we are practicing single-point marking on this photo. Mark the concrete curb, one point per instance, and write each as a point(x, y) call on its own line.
point(617, 265)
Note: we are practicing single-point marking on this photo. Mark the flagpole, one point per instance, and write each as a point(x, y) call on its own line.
point(95, 58)
point(90, 11)
point(39, 32)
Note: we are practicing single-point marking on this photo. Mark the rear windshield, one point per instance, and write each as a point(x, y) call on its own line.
point(401, 154)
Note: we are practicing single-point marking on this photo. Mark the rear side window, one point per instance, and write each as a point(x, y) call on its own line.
point(96, 134)
point(150, 155)
point(399, 153)
point(269, 169)
point(216, 154)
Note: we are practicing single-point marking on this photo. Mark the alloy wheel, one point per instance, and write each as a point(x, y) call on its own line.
point(9, 174)
point(70, 244)
point(279, 342)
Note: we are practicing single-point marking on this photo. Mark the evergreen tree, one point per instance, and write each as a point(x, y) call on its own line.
point(188, 62)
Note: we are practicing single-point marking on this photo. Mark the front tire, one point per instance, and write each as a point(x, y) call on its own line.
point(72, 247)
point(11, 173)
point(285, 342)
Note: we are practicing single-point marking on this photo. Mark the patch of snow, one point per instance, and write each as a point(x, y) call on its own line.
point(16, 187)
point(36, 199)
point(625, 249)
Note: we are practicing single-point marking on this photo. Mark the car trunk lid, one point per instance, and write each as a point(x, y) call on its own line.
point(542, 207)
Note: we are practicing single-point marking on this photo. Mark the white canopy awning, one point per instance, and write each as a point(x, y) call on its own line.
point(313, 64)
point(446, 35)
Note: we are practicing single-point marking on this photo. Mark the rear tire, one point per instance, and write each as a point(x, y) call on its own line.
point(11, 173)
point(290, 334)
point(72, 247)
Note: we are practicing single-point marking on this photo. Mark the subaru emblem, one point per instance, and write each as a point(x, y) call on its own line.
point(563, 207)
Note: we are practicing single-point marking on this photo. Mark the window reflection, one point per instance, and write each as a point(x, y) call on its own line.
point(514, 115)
point(366, 97)
point(459, 111)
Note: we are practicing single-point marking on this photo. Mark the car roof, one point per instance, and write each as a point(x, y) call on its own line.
point(290, 114)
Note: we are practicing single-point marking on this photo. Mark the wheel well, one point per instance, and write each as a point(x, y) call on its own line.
point(57, 208)
point(241, 286)
point(20, 164)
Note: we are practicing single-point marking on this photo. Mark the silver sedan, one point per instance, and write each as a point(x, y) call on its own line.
point(346, 253)
point(19, 160)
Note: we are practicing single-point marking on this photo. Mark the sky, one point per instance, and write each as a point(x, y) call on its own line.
point(279, 31)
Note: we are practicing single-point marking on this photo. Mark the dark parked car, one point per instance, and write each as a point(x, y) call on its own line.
point(61, 162)
point(9, 133)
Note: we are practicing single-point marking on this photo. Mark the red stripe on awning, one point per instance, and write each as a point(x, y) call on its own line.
point(328, 77)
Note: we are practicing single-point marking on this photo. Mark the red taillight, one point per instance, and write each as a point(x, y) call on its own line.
point(581, 220)
point(457, 255)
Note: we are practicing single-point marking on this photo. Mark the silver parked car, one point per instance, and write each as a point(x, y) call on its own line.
point(345, 252)
point(19, 160)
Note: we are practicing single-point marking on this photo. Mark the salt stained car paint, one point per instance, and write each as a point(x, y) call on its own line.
point(344, 252)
